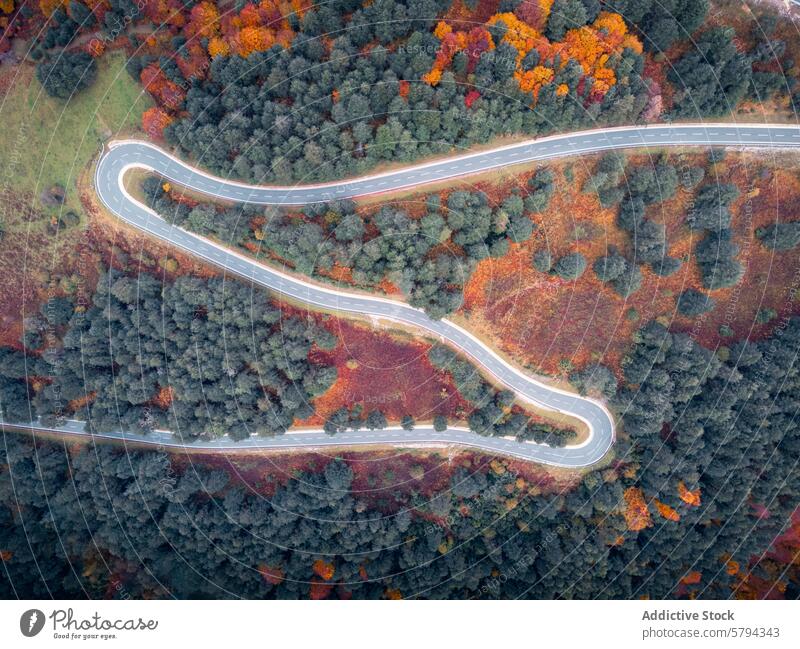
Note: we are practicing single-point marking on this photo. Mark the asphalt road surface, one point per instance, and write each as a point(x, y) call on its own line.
point(315, 439)
point(122, 156)
point(144, 155)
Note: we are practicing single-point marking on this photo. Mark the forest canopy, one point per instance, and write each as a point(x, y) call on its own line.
point(428, 258)
point(147, 355)
point(206, 358)
point(701, 486)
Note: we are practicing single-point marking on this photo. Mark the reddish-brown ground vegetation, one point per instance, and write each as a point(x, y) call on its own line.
point(381, 371)
point(553, 325)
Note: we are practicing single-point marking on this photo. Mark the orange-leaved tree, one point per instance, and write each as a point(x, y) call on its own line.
point(687, 496)
point(204, 20)
point(667, 512)
point(49, 6)
point(165, 92)
point(591, 46)
point(324, 569)
point(154, 121)
point(636, 514)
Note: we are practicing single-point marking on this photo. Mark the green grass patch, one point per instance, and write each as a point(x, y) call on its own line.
point(47, 141)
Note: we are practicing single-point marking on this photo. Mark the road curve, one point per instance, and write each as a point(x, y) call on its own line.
point(121, 156)
point(317, 438)
point(133, 153)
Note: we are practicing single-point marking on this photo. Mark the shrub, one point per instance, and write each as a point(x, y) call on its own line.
point(540, 191)
point(650, 241)
point(693, 303)
point(692, 177)
point(610, 267)
point(725, 331)
point(723, 273)
point(631, 213)
point(520, 228)
point(70, 219)
point(58, 311)
point(595, 379)
point(628, 282)
point(543, 261)
point(666, 266)
point(716, 155)
point(766, 315)
point(780, 236)
point(570, 267)
point(715, 257)
point(711, 207)
point(376, 420)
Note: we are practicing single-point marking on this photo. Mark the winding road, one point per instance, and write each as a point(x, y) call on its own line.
point(394, 436)
point(122, 156)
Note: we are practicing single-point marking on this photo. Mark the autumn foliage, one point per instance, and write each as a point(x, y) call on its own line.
point(154, 121)
point(49, 6)
point(592, 46)
point(471, 97)
point(689, 497)
point(272, 575)
point(473, 42)
point(319, 590)
point(692, 578)
point(366, 358)
point(218, 47)
point(324, 569)
point(203, 20)
point(165, 92)
point(540, 322)
point(165, 12)
point(534, 12)
point(403, 88)
point(164, 397)
point(256, 28)
point(636, 514)
point(95, 47)
point(667, 512)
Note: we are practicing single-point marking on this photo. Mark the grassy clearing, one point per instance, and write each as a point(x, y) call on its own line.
point(48, 141)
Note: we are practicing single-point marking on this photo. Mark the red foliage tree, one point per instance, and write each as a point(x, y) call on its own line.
point(324, 569)
point(319, 589)
point(154, 121)
point(165, 92)
point(470, 98)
